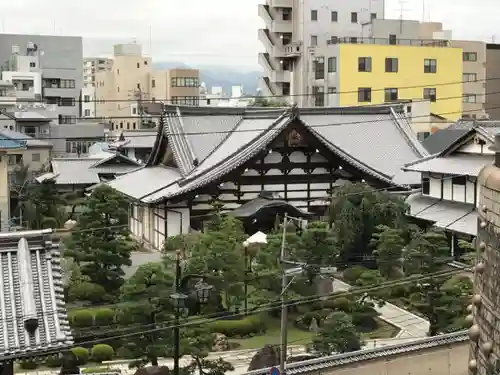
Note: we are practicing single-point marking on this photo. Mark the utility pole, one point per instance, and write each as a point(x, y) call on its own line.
point(284, 310)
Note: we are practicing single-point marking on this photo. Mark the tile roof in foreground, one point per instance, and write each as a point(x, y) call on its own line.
point(207, 143)
point(329, 362)
point(33, 316)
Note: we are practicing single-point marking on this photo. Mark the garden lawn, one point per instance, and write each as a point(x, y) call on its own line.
point(300, 337)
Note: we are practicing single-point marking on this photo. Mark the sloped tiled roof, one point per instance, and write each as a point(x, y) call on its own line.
point(29, 141)
point(460, 164)
point(86, 171)
point(208, 143)
point(32, 309)
point(442, 139)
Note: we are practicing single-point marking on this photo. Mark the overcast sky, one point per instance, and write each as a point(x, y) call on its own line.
point(216, 32)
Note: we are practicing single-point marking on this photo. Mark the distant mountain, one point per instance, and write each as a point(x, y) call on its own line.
point(219, 76)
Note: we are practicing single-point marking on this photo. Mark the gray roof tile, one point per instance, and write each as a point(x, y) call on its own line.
point(456, 216)
point(442, 139)
point(337, 360)
point(455, 164)
point(31, 291)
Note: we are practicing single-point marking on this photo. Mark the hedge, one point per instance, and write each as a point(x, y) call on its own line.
point(53, 361)
point(104, 317)
point(102, 352)
point(28, 364)
point(98, 370)
point(82, 354)
point(249, 325)
point(82, 318)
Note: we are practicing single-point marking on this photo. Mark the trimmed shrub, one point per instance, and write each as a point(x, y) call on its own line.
point(340, 303)
point(102, 352)
point(104, 317)
point(250, 325)
point(82, 354)
point(53, 361)
point(82, 318)
point(124, 353)
point(352, 275)
point(28, 364)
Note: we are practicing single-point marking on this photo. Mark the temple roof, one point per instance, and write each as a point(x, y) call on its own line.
point(33, 315)
point(207, 143)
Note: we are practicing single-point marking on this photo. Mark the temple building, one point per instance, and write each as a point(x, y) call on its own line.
point(236, 155)
point(33, 317)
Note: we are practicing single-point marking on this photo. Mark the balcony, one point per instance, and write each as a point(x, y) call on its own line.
point(265, 15)
point(281, 76)
point(280, 3)
point(281, 26)
point(293, 49)
point(265, 63)
point(271, 48)
point(390, 41)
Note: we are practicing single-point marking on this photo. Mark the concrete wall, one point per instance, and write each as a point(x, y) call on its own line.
point(493, 81)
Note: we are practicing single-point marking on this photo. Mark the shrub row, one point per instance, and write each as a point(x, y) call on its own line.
point(98, 353)
point(95, 317)
point(248, 326)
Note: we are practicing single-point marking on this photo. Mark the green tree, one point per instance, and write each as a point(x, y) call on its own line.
point(316, 247)
point(389, 244)
point(219, 255)
point(100, 243)
point(338, 334)
point(263, 102)
point(428, 253)
point(356, 211)
point(146, 298)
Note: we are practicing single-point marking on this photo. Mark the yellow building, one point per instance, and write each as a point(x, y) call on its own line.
point(375, 74)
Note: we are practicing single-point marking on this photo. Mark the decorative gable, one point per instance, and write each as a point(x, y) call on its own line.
point(476, 144)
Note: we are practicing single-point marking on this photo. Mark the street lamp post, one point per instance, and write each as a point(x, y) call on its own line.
point(179, 301)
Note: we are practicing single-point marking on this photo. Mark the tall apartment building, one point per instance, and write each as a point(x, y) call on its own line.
point(47, 68)
point(493, 81)
point(296, 29)
point(131, 81)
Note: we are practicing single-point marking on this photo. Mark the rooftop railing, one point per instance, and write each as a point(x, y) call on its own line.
point(389, 41)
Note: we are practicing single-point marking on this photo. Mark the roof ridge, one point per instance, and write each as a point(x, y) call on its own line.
point(404, 128)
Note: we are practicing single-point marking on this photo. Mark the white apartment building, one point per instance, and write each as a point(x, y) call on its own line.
point(92, 66)
point(294, 29)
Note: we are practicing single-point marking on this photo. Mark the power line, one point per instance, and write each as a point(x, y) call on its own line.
point(166, 100)
point(272, 306)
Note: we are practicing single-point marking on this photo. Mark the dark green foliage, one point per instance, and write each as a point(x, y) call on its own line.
point(355, 212)
point(82, 355)
point(102, 352)
point(104, 316)
point(337, 335)
point(239, 328)
point(101, 244)
point(28, 364)
point(82, 318)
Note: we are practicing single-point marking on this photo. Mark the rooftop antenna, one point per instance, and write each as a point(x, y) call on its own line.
point(401, 14)
point(150, 40)
point(493, 38)
point(423, 10)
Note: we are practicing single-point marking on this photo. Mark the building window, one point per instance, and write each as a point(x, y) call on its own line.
point(391, 65)
point(353, 40)
point(373, 16)
point(334, 16)
point(134, 110)
point(153, 83)
point(393, 39)
point(332, 90)
point(118, 89)
point(469, 56)
point(184, 82)
point(35, 157)
point(86, 98)
point(145, 62)
point(364, 64)
point(86, 113)
point(319, 96)
point(286, 14)
point(186, 100)
point(470, 98)
point(426, 185)
point(138, 65)
point(319, 67)
point(332, 64)
point(314, 40)
point(391, 94)
point(32, 64)
point(469, 77)
point(314, 15)
point(422, 136)
point(430, 66)
point(138, 86)
point(364, 95)
point(354, 17)
point(67, 102)
point(430, 94)
point(459, 180)
point(67, 119)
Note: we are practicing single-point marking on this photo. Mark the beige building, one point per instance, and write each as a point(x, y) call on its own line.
point(122, 91)
point(493, 81)
point(92, 66)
